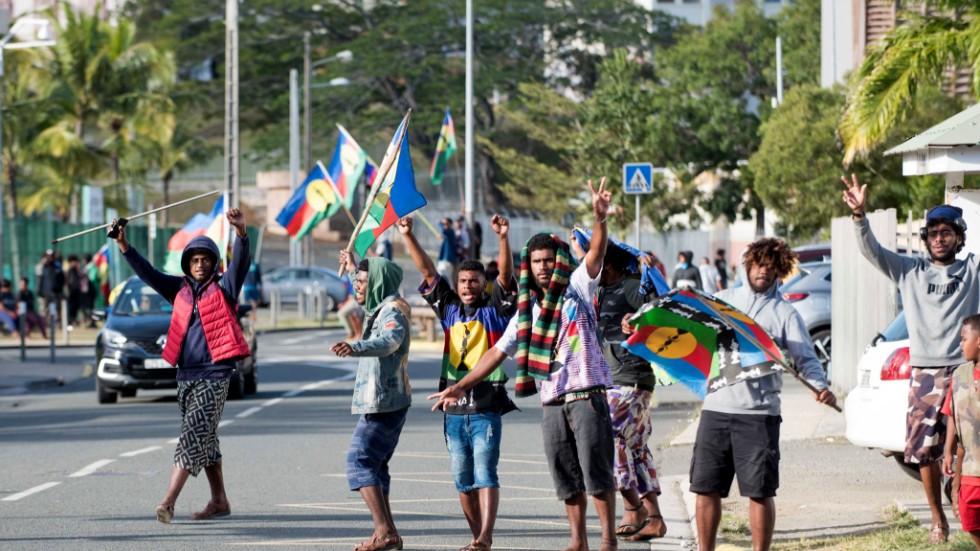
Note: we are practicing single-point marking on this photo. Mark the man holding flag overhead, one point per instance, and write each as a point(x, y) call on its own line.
point(554, 340)
point(738, 435)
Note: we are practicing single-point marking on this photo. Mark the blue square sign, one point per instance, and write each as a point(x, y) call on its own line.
point(637, 178)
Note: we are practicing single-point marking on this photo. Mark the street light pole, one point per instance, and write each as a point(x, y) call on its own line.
point(307, 128)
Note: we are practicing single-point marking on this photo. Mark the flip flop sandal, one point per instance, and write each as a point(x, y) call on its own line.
point(631, 527)
point(165, 514)
point(211, 511)
point(639, 535)
point(391, 543)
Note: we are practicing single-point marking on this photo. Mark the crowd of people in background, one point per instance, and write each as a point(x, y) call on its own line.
point(710, 275)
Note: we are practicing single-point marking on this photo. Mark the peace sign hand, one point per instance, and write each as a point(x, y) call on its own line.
point(601, 198)
point(855, 194)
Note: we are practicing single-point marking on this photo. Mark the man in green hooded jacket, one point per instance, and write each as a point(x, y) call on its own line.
point(382, 394)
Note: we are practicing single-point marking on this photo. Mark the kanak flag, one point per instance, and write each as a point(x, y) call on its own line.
point(212, 225)
point(396, 195)
point(314, 200)
point(445, 148)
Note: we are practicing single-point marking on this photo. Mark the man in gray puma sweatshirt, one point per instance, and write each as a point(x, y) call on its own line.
point(937, 294)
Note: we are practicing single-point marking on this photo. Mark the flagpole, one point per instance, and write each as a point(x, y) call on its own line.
point(756, 343)
point(383, 171)
point(418, 213)
point(135, 216)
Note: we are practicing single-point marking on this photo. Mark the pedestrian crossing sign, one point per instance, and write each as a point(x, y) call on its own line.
point(637, 178)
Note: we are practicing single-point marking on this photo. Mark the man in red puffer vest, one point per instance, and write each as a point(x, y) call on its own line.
point(203, 343)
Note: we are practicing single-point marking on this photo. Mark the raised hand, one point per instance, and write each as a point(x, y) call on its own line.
point(347, 261)
point(405, 225)
point(448, 397)
point(121, 237)
point(601, 198)
point(237, 219)
point(500, 225)
point(855, 194)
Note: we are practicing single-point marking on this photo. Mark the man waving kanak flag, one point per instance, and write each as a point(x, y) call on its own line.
point(396, 196)
point(445, 148)
point(347, 166)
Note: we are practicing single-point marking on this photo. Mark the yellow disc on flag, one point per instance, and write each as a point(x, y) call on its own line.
point(735, 314)
point(320, 195)
point(671, 342)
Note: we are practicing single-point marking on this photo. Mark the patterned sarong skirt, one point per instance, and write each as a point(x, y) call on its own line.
point(201, 403)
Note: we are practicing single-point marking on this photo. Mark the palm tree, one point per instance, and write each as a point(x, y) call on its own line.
point(913, 56)
point(111, 88)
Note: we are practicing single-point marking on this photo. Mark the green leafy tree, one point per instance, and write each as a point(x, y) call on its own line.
point(911, 59)
point(799, 29)
point(799, 163)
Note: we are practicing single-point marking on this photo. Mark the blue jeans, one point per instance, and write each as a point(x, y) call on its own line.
point(371, 449)
point(473, 442)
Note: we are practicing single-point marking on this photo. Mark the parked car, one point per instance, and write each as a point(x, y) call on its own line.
point(291, 281)
point(128, 348)
point(875, 409)
point(809, 292)
point(812, 253)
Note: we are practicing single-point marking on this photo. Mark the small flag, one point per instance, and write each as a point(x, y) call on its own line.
point(445, 148)
point(347, 165)
point(693, 338)
point(211, 225)
point(313, 201)
point(102, 263)
point(396, 196)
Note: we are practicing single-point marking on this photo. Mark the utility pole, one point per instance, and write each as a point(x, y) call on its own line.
point(307, 128)
point(294, 251)
point(231, 104)
point(470, 122)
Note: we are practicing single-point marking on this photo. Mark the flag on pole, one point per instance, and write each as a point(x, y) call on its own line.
point(212, 225)
point(313, 201)
point(396, 196)
point(693, 338)
point(445, 148)
point(347, 165)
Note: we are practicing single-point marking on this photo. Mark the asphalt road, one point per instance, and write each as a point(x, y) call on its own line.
point(76, 475)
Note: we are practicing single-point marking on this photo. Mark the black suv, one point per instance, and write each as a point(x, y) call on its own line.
point(127, 350)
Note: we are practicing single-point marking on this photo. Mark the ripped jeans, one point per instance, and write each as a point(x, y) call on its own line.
point(473, 441)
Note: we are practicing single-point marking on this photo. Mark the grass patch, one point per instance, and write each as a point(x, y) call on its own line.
point(734, 527)
point(902, 533)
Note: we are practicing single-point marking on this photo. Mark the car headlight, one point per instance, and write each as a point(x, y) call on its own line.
point(112, 337)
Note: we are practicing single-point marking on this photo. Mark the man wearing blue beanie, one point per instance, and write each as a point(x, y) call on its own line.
point(937, 294)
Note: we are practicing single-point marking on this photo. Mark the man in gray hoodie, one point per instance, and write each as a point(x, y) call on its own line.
point(738, 435)
point(936, 294)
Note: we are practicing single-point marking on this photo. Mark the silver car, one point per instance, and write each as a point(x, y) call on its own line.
point(809, 292)
point(292, 281)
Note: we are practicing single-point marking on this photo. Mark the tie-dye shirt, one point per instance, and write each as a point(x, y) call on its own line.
point(469, 332)
point(577, 362)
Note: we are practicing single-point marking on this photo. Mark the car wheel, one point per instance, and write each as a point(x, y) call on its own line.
point(329, 304)
point(911, 469)
point(252, 381)
point(236, 390)
point(105, 395)
point(821, 346)
point(131, 393)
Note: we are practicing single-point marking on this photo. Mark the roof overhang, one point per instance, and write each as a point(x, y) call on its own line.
point(950, 146)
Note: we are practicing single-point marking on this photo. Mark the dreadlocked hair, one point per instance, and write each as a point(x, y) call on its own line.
point(772, 253)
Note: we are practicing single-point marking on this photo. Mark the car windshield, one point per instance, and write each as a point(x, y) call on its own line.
point(139, 299)
point(896, 330)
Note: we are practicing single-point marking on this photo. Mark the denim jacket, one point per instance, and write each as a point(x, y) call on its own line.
point(382, 384)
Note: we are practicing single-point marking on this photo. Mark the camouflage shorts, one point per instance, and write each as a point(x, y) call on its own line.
point(925, 426)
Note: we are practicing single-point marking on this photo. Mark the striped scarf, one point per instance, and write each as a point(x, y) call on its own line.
point(535, 345)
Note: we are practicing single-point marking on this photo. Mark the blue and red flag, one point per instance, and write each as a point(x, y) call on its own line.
point(212, 225)
point(396, 196)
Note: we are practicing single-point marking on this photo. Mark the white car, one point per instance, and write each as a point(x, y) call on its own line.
point(875, 410)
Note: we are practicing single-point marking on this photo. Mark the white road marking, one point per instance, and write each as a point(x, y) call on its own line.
point(134, 453)
point(30, 491)
point(298, 340)
point(89, 469)
point(173, 440)
point(225, 423)
point(271, 402)
point(248, 412)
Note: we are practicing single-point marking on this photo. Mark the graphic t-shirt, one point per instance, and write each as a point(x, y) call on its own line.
point(469, 332)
